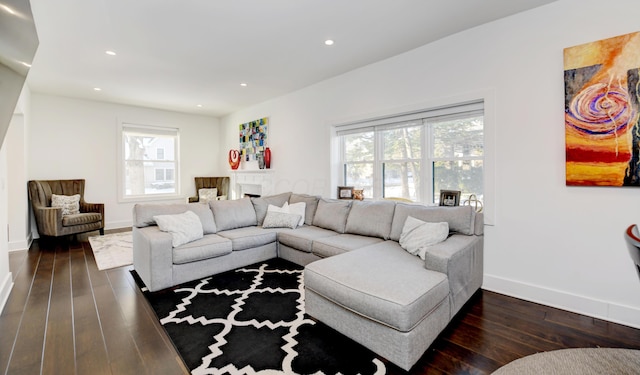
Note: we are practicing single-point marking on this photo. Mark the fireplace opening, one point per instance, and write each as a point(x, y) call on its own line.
point(249, 195)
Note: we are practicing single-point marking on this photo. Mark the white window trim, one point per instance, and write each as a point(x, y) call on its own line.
point(120, 165)
point(487, 96)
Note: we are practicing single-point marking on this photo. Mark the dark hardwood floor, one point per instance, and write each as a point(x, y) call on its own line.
point(64, 316)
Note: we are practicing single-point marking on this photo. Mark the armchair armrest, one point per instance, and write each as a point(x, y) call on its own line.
point(93, 207)
point(48, 220)
point(460, 257)
point(193, 199)
point(153, 257)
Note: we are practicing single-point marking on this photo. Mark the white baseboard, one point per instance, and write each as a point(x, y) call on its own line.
point(5, 290)
point(21, 245)
point(118, 224)
point(616, 313)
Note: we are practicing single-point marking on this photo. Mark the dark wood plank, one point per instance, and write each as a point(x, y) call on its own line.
point(91, 351)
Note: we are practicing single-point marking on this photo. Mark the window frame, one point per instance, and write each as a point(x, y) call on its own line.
point(487, 96)
point(125, 127)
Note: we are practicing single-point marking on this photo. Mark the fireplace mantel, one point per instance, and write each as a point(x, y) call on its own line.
point(254, 182)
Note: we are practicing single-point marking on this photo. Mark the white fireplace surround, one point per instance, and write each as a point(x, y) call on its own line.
point(255, 182)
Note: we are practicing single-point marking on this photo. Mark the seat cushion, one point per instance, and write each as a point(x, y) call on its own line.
point(209, 246)
point(249, 237)
point(82, 218)
point(381, 282)
point(302, 238)
point(334, 245)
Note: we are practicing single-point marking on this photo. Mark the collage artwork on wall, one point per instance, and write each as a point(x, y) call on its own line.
point(602, 133)
point(253, 138)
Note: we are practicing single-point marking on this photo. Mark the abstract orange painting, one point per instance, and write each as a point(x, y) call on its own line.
point(601, 112)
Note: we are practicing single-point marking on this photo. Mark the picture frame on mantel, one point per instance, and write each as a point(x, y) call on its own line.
point(345, 192)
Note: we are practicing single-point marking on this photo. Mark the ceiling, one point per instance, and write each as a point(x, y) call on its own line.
point(192, 55)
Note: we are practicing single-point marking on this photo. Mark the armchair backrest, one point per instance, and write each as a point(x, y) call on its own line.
point(40, 191)
point(220, 183)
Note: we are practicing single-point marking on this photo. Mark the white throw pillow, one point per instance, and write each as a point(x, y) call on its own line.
point(275, 219)
point(184, 227)
point(417, 235)
point(207, 195)
point(274, 208)
point(298, 209)
point(70, 204)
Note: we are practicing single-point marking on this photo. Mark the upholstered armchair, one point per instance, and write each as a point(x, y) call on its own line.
point(72, 216)
point(220, 183)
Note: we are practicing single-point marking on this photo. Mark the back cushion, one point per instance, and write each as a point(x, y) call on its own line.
point(261, 204)
point(332, 214)
point(311, 203)
point(231, 214)
point(143, 214)
point(371, 218)
point(460, 218)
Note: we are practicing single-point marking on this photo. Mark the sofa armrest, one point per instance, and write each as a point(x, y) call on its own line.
point(153, 257)
point(460, 257)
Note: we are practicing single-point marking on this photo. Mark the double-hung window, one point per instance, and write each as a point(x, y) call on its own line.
point(149, 162)
point(414, 156)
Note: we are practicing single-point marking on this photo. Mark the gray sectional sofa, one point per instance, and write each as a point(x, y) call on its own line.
point(358, 278)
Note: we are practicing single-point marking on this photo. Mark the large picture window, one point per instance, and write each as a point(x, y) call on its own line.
point(414, 156)
point(149, 163)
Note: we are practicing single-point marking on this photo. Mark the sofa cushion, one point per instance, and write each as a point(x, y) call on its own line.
point(417, 235)
point(231, 214)
point(261, 204)
point(311, 205)
point(381, 282)
point(82, 218)
point(334, 245)
point(184, 227)
point(209, 246)
point(248, 237)
point(460, 218)
point(143, 214)
point(371, 218)
point(332, 214)
point(302, 238)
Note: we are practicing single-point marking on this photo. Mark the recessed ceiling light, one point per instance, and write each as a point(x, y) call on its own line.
point(328, 42)
point(97, 89)
point(244, 84)
point(110, 53)
point(199, 105)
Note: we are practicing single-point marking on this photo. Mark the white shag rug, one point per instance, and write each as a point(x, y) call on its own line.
point(112, 250)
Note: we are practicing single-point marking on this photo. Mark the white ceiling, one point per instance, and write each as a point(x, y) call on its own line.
point(177, 54)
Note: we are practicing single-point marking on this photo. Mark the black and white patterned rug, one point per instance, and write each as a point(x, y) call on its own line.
point(252, 320)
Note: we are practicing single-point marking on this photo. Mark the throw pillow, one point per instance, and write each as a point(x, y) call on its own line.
point(207, 195)
point(275, 219)
point(184, 227)
point(417, 235)
point(274, 208)
point(70, 204)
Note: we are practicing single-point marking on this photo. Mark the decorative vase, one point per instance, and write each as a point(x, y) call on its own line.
point(260, 160)
point(267, 158)
point(234, 159)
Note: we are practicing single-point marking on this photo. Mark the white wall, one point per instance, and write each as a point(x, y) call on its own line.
point(6, 278)
point(71, 138)
point(558, 245)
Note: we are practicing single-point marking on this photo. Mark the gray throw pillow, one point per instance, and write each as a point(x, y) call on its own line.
point(332, 214)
